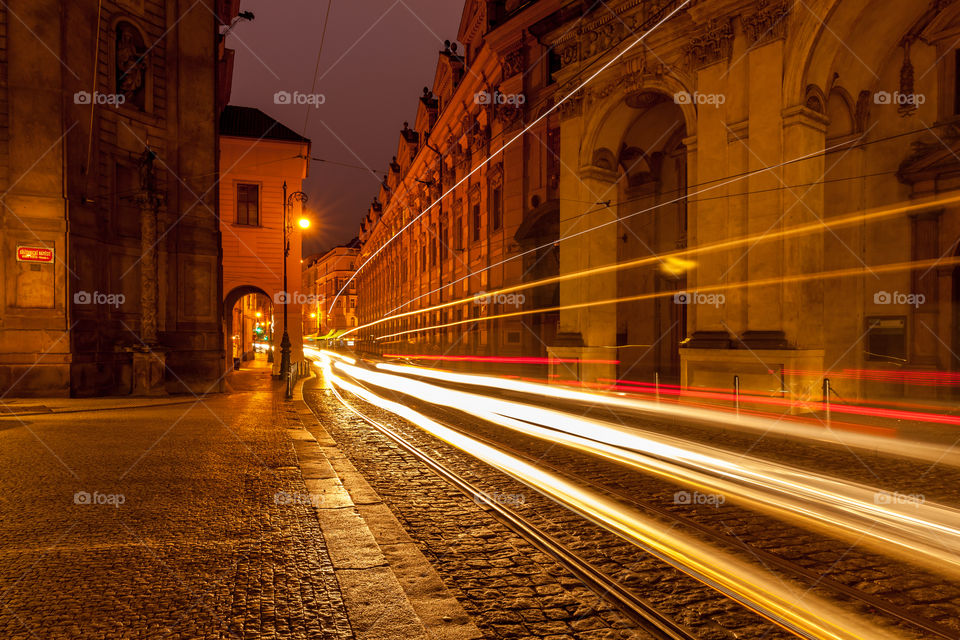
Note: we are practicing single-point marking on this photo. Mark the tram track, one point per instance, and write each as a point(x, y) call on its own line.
point(570, 558)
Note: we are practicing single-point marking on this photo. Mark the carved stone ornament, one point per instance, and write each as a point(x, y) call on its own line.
point(495, 175)
point(715, 43)
point(571, 107)
point(514, 62)
point(909, 106)
point(768, 22)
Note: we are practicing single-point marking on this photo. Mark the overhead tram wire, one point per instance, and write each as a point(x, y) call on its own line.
point(725, 245)
point(824, 275)
point(721, 182)
point(316, 69)
point(519, 135)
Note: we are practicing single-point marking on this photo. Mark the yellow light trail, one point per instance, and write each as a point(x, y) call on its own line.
point(923, 532)
point(897, 447)
point(787, 604)
point(683, 254)
point(825, 275)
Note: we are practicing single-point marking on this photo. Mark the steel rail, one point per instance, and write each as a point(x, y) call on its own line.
point(631, 605)
point(890, 608)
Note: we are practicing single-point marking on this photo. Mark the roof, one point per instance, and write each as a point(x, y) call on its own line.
point(250, 122)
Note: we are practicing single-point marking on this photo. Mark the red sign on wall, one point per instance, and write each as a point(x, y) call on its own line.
point(34, 254)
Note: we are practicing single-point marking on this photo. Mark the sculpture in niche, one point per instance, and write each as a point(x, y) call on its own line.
point(131, 66)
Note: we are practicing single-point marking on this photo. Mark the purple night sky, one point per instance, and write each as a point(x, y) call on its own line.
point(377, 57)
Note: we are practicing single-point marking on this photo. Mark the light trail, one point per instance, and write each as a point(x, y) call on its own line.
point(509, 142)
point(853, 219)
point(707, 417)
point(785, 603)
point(916, 531)
point(825, 275)
point(497, 359)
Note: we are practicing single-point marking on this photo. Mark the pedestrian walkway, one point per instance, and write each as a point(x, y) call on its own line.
point(185, 518)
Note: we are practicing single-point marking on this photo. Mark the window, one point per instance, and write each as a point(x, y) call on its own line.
point(458, 234)
point(443, 241)
point(956, 82)
point(476, 222)
point(248, 204)
point(496, 209)
point(886, 339)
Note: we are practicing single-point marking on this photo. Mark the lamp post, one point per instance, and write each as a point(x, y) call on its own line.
point(301, 197)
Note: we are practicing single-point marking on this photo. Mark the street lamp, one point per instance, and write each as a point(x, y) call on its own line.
point(301, 197)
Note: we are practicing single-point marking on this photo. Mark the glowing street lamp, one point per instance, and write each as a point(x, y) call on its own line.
point(301, 197)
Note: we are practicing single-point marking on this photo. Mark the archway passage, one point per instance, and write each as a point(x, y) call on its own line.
point(652, 162)
point(248, 326)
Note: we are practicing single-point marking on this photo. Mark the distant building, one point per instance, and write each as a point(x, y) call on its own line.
point(109, 273)
point(324, 276)
point(257, 156)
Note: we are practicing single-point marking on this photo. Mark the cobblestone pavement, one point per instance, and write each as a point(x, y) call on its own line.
point(161, 523)
point(512, 589)
point(919, 591)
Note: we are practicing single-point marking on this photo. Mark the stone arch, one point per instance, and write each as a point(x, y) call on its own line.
point(840, 111)
point(230, 299)
point(611, 116)
point(846, 37)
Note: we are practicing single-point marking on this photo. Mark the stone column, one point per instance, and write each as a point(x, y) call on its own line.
point(149, 361)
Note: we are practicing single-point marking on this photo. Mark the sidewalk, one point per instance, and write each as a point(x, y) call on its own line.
point(220, 517)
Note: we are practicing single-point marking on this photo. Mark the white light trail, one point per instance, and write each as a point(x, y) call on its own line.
point(785, 603)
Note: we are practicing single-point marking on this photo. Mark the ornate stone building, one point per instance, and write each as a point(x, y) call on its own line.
point(108, 164)
point(323, 277)
point(766, 168)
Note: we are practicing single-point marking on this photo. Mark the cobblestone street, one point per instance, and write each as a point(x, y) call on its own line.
point(162, 522)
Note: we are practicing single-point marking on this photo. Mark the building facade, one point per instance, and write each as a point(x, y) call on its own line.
point(762, 191)
point(324, 277)
point(259, 159)
point(109, 272)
